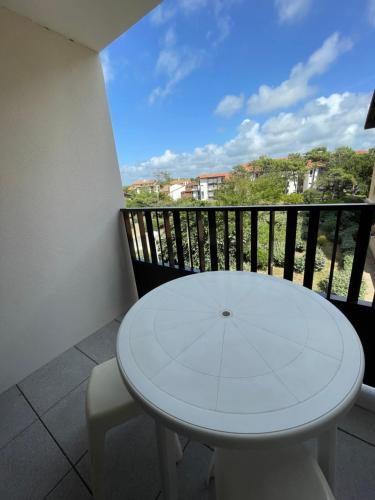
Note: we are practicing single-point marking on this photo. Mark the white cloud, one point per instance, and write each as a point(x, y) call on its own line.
point(333, 121)
point(292, 10)
point(170, 37)
point(189, 6)
point(162, 14)
point(174, 63)
point(218, 8)
point(107, 66)
point(298, 87)
point(371, 12)
point(230, 105)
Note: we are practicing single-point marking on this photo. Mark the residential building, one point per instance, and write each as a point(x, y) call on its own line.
point(208, 183)
point(177, 187)
point(191, 191)
point(148, 185)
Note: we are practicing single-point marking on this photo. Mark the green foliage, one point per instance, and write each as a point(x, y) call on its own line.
point(335, 182)
point(340, 283)
point(319, 264)
point(299, 263)
point(279, 255)
point(300, 245)
point(242, 190)
point(322, 240)
point(147, 199)
point(347, 262)
point(262, 258)
point(347, 243)
point(320, 260)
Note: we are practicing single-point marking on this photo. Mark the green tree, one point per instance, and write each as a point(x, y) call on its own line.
point(243, 190)
point(147, 199)
point(163, 176)
point(335, 183)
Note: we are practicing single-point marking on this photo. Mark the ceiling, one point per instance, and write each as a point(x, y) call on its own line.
point(93, 23)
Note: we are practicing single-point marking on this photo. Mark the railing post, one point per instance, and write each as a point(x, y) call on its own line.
point(363, 235)
point(254, 240)
point(271, 234)
point(239, 240)
point(213, 239)
point(290, 243)
point(312, 236)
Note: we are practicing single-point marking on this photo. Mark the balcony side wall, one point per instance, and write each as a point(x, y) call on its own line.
point(64, 271)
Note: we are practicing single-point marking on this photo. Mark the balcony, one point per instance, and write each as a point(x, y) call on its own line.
point(43, 436)
point(65, 273)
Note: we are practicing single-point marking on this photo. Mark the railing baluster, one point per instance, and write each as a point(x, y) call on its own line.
point(178, 235)
point(290, 243)
point(189, 240)
point(312, 235)
point(168, 236)
point(226, 240)
point(213, 239)
point(141, 225)
point(334, 251)
point(160, 241)
point(135, 235)
point(254, 240)
point(151, 237)
point(239, 240)
point(271, 236)
point(200, 236)
point(362, 240)
point(129, 233)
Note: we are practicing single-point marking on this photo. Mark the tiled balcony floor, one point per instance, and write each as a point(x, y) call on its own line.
point(43, 445)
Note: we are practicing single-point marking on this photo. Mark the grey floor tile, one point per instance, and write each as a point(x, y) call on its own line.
point(16, 415)
point(192, 474)
point(30, 465)
point(361, 423)
point(132, 470)
point(101, 345)
point(49, 384)
point(67, 422)
point(70, 488)
point(355, 469)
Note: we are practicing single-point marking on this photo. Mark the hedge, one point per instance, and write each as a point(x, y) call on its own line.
point(340, 283)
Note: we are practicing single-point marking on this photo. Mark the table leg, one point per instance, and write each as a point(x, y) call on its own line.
point(327, 455)
point(167, 461)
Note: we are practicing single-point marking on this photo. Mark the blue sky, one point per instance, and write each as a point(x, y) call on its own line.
point(202, 85)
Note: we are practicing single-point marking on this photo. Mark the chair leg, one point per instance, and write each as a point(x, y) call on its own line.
point(96, 438)
point(211, 470)
point(178, 448)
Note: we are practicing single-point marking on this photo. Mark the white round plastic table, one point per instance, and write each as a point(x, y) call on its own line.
point(239, 359)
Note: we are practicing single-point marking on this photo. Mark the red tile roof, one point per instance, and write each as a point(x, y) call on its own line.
point(214, 175)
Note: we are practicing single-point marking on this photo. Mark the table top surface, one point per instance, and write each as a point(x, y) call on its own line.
point(239, 353)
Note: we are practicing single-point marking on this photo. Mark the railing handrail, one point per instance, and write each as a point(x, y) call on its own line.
point(272, 208)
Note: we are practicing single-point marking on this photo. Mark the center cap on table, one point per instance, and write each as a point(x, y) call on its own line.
point(226, 313)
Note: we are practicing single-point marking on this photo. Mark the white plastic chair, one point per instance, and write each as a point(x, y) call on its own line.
point(108, 403)
point(287, 474)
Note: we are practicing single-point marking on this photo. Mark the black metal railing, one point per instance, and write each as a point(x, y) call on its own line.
point(211, 238)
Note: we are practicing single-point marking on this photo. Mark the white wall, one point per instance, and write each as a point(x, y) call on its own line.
point(62, 269)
